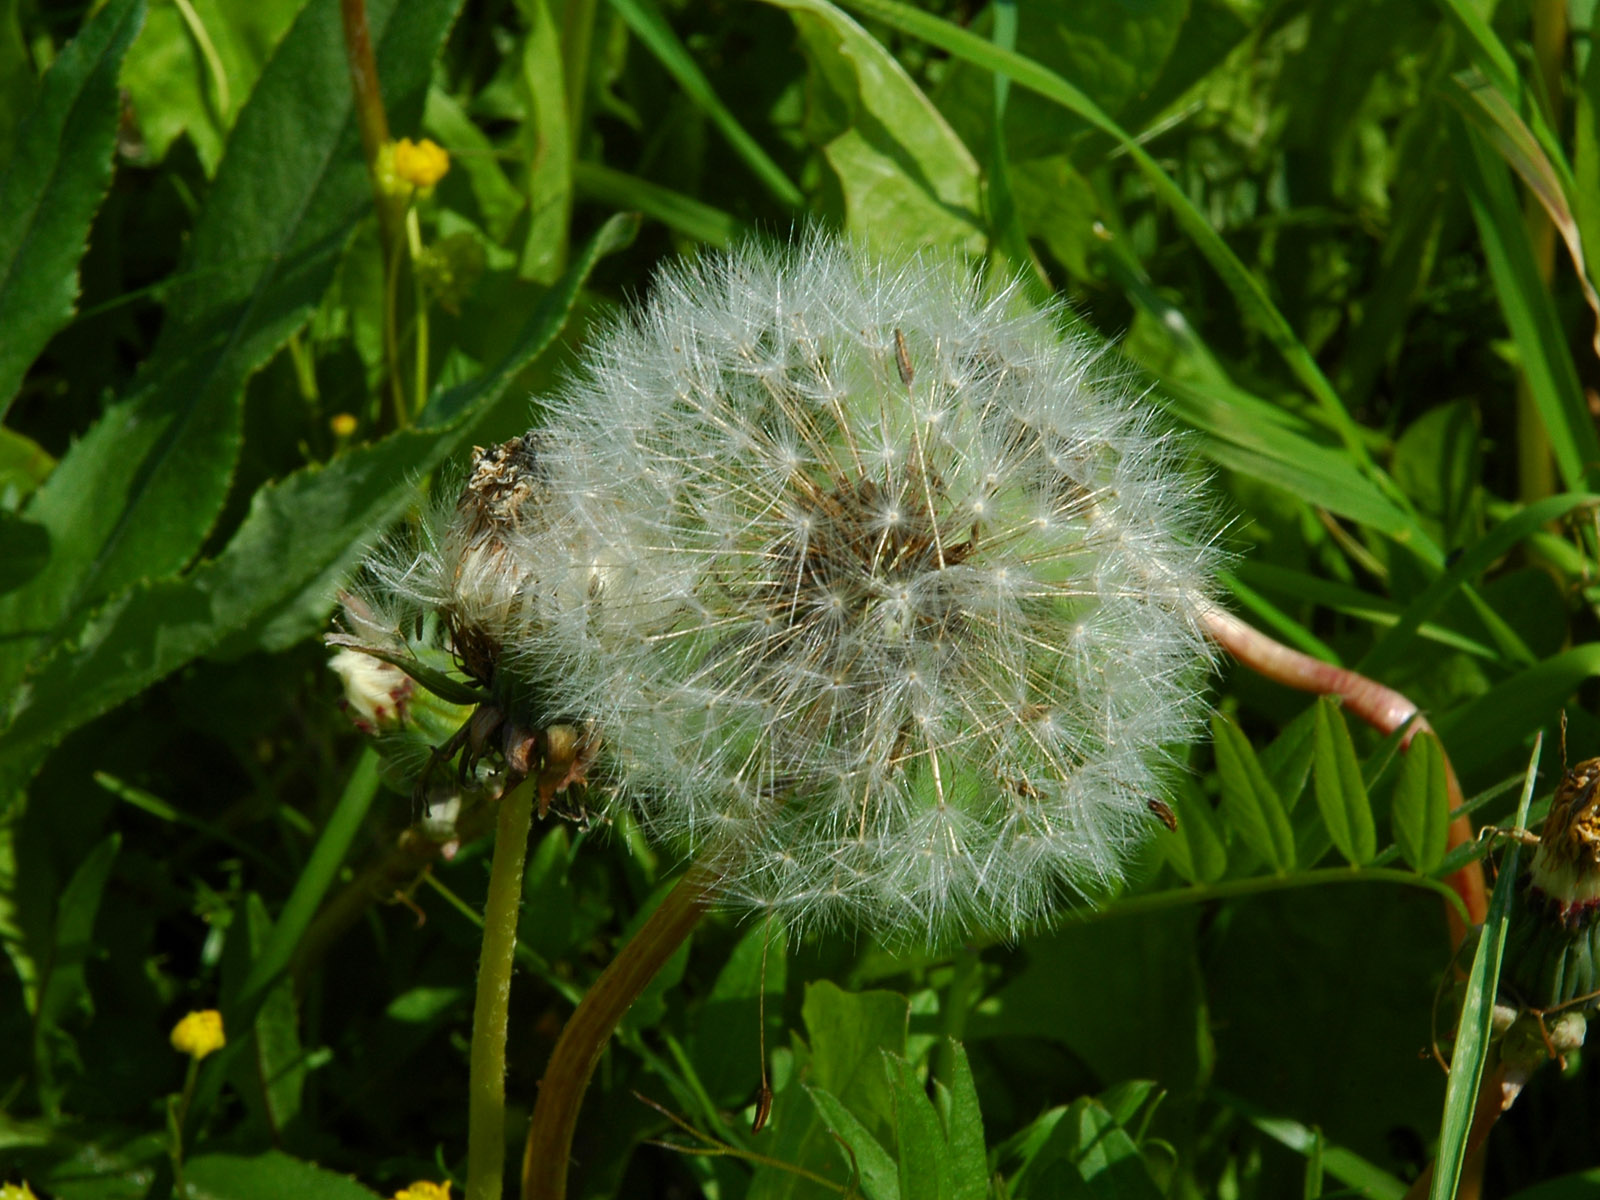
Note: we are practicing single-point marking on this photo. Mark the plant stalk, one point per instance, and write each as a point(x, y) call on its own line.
point(486, 1110)
point(578, 1050)
point(1385, 709)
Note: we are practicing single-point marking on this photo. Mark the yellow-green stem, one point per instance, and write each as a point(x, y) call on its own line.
point(175, 1129)
point(420, 302)
point(578, 1050)
point(486, 1109)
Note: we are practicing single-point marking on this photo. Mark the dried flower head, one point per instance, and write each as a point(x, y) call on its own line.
point(873, 584)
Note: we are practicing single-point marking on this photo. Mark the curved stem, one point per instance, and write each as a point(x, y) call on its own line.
point(1385, 709)
point(486, 1112)
point(572, 1062)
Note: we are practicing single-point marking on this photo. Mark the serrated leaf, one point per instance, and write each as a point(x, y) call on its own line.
point(52, 185)
point(269, 1176)
point(279, 573)
point(136, 496)
point(1421, 814)
point(876, 1169)
point(1341, 795)
point(923, 1158)
point(24, 549)
point(904, 175)
point(963, 1130)
point(1250, 804)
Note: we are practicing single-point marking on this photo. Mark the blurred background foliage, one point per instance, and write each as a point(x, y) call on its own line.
point(1348, 243)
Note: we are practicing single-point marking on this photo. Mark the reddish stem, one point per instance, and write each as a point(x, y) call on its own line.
point(1381, 707)
point(583, 1040)
point(370, 114)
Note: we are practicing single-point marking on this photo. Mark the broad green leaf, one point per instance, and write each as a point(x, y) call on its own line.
point(1342, 1163)
point(1341, 795)
point(546, 143)
point(134, 499)
point(275, 581)
point(1250, 804)
point(195, 64)
point(848, 1033)
point(922, 1156)
point(473, 154)
point(63, 988)
point(1247, 290)
point(877, 1172)
point(272, 1175)
point(1421, 813)
point(963, 1130)
point(1438, 462)
point(1474, 1028)
point(52, 185)
point(1287, 759)
point(904, 176)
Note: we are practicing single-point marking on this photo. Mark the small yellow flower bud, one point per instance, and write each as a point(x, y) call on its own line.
point(17, 1191)
point(421, 1190)
point(199, 1033)
point(343, 424)
point(421, 164)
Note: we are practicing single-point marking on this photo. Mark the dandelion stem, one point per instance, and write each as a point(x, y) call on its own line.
point(486, 1113)
point(555, 1114)
point(1385, 709)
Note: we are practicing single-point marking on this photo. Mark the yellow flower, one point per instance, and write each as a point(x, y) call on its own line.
point(343, 424)
point(421, 164)
point(197, 1035)
point(421, 1190)
point(17, 1191)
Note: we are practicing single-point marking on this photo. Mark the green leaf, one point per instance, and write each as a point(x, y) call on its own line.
point(651, 28)
point(1474, 1029)
point(1494, 725)
point(688, 216)
point(63, 986)
point(725, 1044)
point(271, 1079)
point(1341, 795)
point(848, 1033)
point(1247, 290)
point(1472, 561)
point(275, 581)
point(923, 1158)
point(1083, 1152)
point(24, 549)
point(963, 1130)
point(904, 176)
point(876, 1169)
point(1250, 804)
point(137, 495)
point(194, 66)
point(1421, 814)
point(1529, 309)
point(1196, 849)
point(53, 184)
point(546, 142)
point(269, 1176)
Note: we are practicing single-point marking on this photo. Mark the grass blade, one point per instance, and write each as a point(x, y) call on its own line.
point(1472, 1034)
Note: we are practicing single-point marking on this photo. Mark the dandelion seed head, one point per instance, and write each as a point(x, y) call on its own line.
point(876, 585)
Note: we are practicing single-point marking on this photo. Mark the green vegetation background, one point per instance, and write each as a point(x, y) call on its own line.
point(1348, 242)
